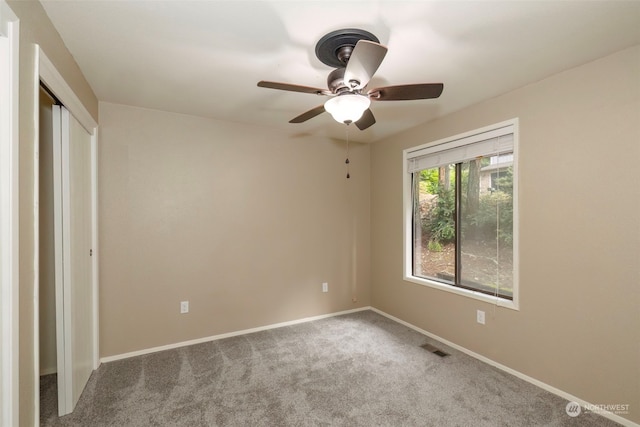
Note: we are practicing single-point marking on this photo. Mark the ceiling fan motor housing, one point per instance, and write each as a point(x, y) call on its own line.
point(334, 49)
point(335, 81)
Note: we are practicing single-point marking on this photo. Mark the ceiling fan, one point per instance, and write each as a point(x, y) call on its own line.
point(356, 54)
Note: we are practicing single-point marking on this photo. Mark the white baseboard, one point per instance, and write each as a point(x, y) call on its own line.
point(538, 383)
point(226, 335)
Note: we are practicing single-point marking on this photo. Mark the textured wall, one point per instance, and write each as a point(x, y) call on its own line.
point(578, 327)
point(243, 222)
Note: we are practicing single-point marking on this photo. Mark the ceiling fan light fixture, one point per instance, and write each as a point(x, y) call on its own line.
point(347, 108)
point(356, 55)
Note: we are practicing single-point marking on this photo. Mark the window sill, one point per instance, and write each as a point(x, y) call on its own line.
point(501, 302)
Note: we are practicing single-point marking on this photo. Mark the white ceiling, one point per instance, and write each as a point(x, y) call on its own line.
point(205, 57)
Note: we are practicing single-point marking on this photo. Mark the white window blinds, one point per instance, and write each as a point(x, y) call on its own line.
point(491, 143)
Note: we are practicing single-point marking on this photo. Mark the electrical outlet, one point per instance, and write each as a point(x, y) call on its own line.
point(325, 287)
point(480, 317)
point(184, 307)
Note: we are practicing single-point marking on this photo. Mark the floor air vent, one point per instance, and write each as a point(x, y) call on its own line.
point(434, 350)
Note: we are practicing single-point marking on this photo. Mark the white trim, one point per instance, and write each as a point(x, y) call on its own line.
point(9, 219)
point(59, 87)
point(516, 215)
point(35, 292)
point(407, 217)
point(531, 380)
point(491, 299)
point(227, 335)
point(94, 246)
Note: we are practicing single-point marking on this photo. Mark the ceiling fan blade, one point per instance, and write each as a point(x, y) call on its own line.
point(293, 88)
point(366, 120)
point(406, 92)
point(363, 63)
point(308, 114)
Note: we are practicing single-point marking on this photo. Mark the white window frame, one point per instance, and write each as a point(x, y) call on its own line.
point(408, 215)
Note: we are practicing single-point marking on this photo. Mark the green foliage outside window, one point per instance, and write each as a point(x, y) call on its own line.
point(493, 217)
point(429, 181)
point(440, 221)
point(495, 213)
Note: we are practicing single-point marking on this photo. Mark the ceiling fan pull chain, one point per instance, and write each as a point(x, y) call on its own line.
point(347, 161)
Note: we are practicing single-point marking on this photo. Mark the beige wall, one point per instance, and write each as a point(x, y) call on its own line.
point(35, 28)
point(244, 222)
point(578, 328)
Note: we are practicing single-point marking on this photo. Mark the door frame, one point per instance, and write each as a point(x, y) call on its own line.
point(55, 83)
point(9, 246)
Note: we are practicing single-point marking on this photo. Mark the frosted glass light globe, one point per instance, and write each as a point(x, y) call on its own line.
point(347, 108)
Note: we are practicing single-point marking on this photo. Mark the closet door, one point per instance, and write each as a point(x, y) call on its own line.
point(74, 290)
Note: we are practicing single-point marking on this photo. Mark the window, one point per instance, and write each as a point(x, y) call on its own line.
point(460, 214)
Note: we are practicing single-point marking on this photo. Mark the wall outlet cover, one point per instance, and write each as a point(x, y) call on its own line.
point(184, 307)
